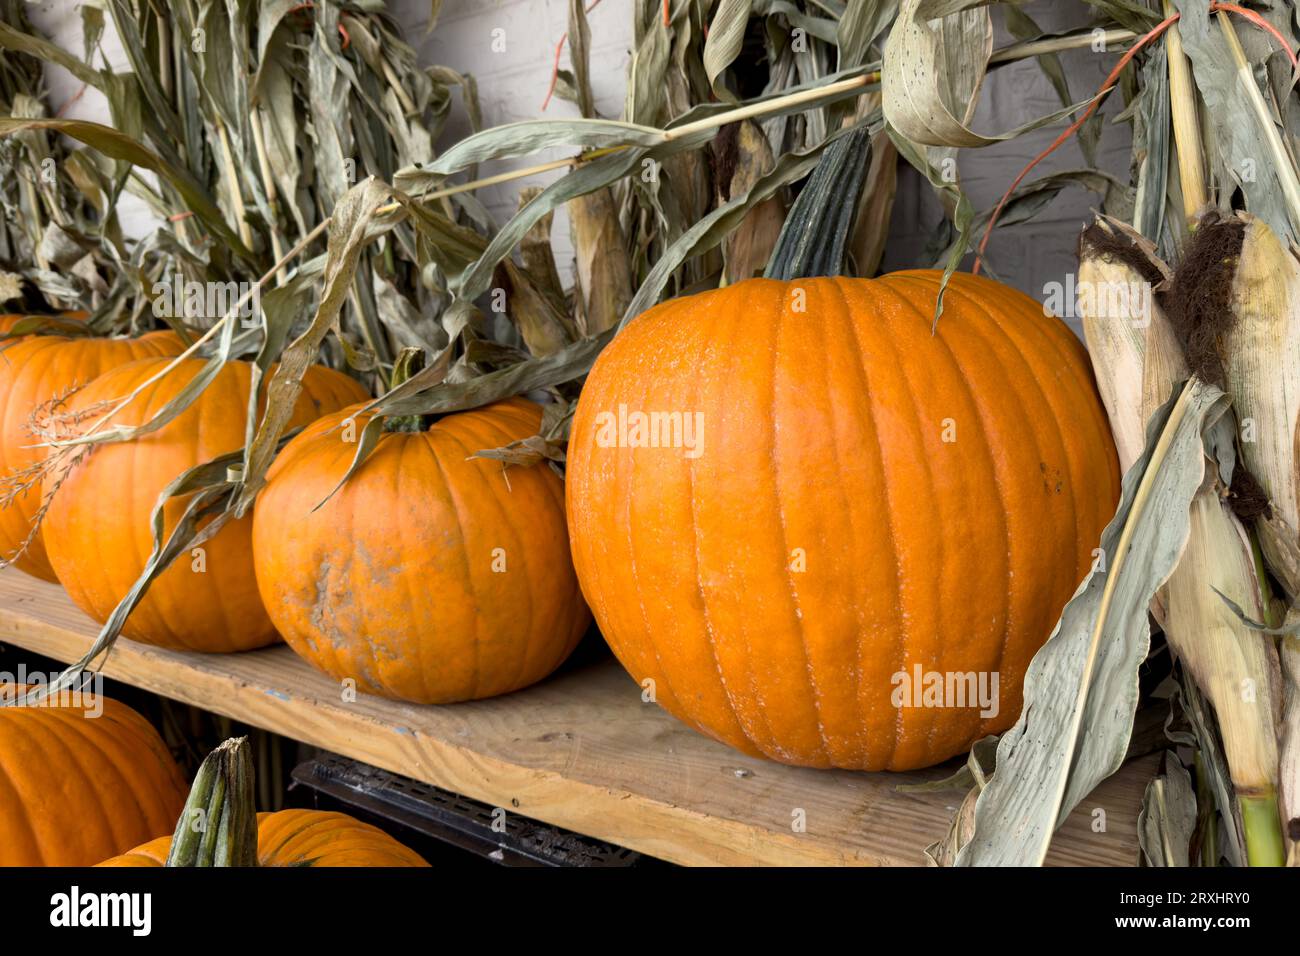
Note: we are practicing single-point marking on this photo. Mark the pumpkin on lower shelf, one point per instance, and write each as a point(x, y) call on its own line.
point(315, 838)
point(218, 828)
point(428, 576)
point(34, 371)
point(794, 507)
point(98, 523)
point(78, 784)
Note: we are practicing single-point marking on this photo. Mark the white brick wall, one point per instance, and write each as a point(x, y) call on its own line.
point(512, 85)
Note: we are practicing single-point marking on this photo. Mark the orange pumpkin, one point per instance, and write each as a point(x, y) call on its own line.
point(34, 370)
point(98, 523)
point(301, 838)
point(77, 784)
point(428, 576)
point(864, 506)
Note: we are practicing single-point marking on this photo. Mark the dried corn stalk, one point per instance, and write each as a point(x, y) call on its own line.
point(602, 270)
point(1135, 358)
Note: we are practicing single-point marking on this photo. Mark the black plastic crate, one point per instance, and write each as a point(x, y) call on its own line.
point(446, 827)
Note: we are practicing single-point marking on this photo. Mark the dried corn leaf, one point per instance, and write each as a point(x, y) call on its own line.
point(347, 238)
point(1168, 816)
point(547, 445)
point(710, 231)
point(1241, 120)
point(931, 77)
point(859, 27)
point(119, 146)
point(1081, 688)
point(1212, 769)
point(725, 38)
point(541, 327)
point(978, 769)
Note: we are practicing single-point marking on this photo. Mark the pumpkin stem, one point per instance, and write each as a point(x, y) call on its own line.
point(409, 361)
point(816, 232)
point(218, 826)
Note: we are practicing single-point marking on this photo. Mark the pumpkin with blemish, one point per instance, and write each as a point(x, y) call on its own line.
point(81, 777)
point(98, 526)
point(863, 499)
point(34, 371)
point(429, 575)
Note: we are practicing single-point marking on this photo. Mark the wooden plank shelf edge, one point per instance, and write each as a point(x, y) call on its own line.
point(580, 751)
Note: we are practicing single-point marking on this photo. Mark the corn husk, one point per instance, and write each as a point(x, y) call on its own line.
point(1262, 356)
point(1117, 341)
point(1135, 357)
point(748, 248)
point(603, 271)
point(1236, 667)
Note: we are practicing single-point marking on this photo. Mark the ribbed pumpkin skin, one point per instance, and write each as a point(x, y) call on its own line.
point(824, 432)
point(75, 789)
point(97, 526)
point(391, 583)
point(301, 838)
point(34, 370)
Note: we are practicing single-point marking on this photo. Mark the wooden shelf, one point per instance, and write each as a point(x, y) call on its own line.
point(580, 751)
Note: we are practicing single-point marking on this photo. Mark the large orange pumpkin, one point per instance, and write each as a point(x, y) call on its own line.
point(315, 838)
point(77, 785)
point(33, 371)
point(863, 503)
point(98, 524)
point(428, 576)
